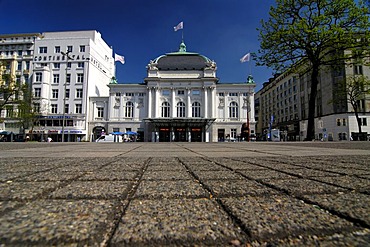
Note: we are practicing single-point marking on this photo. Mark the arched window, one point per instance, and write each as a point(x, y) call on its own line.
point(181, 109)
point(233, 110)
point(195, 109)
point(166, 109)
point(129, 109)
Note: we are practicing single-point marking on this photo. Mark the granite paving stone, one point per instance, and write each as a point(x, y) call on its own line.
point(265, 173)
point(299, 187)
point(51, 175)
point(228, 188)
point(352, 204)
point(176, 222)
point(165, 175)
point(279, 216)
point(93, 190)
point(108, 175)
point(201, 174)
point(25, 190)
point(50, 222)
point(170, 189)
point(350, 182)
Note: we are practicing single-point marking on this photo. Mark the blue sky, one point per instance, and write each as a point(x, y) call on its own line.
point(141, 30)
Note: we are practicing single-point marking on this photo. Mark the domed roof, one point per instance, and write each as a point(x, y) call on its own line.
point(182, 60)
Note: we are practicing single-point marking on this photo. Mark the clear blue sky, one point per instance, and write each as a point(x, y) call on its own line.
point(141, 30)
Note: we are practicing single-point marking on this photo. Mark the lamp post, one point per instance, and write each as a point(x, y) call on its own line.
point(65, 90)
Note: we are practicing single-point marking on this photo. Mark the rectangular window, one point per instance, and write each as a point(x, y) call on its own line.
point(196, 92)
point(20, 53)
point(82, 48)
point(37, 92)
point(56, 65)
point(19, 67)
point(38, 77)
point(338, 122)
point(363, 121)
point(100, 112)
point(233, 94)
point(67, 93)
point(221, 94)
point(344, 121)
point(80, 64)
point(56, 78)
point(43, 49)
point(28, 65)
point(66, 108)
point(141, 94)
point(57, 49)
point(118, 94)
point(54, 108)
point(36, 107)
point(69, 48)
point(165, 92)
point(79, 93)
point(78, 108)
point(181, 92)
point(233, 133)
point(80, 78)
point(69, 65)
point(130, 94)
point(357, 69)
point(68, 79)
point(55, 93)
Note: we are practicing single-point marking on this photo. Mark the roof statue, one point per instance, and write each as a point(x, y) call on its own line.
point(182, 47)
point(250, 79)
point(113, 80)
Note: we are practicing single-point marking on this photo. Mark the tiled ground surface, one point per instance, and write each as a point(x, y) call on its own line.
point(185, 194)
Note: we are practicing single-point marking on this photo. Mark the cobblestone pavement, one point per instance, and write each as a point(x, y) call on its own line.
point(185, 194)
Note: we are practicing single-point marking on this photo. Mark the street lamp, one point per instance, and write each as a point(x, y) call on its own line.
point(65, 90)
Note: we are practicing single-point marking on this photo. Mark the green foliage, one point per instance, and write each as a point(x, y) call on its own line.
point(311, 29)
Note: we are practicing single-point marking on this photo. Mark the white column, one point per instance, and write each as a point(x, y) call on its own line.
point(188, 103)
point(156, 102)
point(213, 104)
point(173, 106)
point(149, 102)
point(205, 101)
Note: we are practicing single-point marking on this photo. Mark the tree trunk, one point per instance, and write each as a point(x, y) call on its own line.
point(358, 120)
point(312, 103)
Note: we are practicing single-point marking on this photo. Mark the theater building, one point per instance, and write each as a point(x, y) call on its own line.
point(180, 100)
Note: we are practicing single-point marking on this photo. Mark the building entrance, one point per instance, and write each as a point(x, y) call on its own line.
point(180, 135)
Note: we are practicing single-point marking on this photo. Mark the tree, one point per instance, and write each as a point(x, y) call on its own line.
point(353, 90)
point(315, 32)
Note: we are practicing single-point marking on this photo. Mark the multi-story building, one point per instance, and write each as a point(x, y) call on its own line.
point(283, 104)
point(68, 68)
point(181, 99)
point(16, 60)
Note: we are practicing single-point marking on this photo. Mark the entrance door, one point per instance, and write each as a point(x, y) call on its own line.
point(221, 135)
point(180, 135)
point(196, 135)
point(164, 135)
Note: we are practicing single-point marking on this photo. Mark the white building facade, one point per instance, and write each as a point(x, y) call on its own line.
point(68, 68)
point(180, 100)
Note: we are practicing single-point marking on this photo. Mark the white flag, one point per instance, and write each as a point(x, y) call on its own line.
point(179, 26)
point(245, 58)
point(119, 58)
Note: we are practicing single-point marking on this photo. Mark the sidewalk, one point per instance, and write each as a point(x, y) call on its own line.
point(185, 194)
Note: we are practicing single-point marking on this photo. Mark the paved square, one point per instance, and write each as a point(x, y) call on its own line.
point(185, 194)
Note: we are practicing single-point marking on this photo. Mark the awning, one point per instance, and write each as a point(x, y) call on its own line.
point(181, 122)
